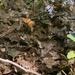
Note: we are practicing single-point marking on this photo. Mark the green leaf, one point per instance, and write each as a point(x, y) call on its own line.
point(13, 53)
point(1, 4)
point(71, 37)
point(71, 54)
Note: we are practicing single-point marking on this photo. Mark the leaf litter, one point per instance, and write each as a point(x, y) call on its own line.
point(41, 47)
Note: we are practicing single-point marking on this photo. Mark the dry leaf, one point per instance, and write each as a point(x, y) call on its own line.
point(50, 62)
point(26, 64)
point(5, 68)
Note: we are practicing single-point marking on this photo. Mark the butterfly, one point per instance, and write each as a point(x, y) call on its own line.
point(28, 21)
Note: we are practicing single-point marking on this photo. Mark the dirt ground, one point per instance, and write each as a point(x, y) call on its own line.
point(32, 38)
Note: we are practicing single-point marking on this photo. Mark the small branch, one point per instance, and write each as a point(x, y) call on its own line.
point(47, 51)
point(22, 68)
point(9, 30)
point(63, 72)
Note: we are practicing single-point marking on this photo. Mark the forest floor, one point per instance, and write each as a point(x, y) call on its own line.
point(32, 39)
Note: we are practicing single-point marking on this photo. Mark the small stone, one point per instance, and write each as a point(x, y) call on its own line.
point(3, 50)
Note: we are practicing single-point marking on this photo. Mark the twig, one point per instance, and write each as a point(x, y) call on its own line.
point(47, 51)
point(22, 68)
point(9, 30)
point(11, 46)
point(63, 72)
point(71, 69)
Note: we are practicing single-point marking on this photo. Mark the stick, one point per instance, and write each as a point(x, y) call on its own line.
point(9, 30)
point(22, 68)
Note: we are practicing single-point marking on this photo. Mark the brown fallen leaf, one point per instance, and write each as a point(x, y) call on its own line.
point(25, 63)
point(54, 55)
point(50, 62)
point(9, 30)
point(5, 68)
point(1, 73)
point(40, 32)
point(47, 46)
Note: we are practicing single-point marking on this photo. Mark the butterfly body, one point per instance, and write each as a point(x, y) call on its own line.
point(28, 21)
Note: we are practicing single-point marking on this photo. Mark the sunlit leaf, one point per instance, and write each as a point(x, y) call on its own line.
point(71, 37)
point(71, 54)
point(1, 4)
